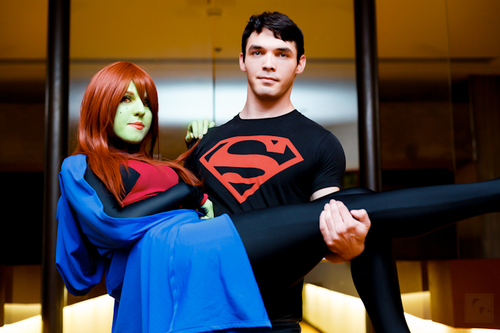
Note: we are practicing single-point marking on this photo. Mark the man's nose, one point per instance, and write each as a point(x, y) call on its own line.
point(269, 62)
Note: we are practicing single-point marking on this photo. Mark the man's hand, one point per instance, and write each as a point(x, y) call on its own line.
point(344, 232)
point(197, 129)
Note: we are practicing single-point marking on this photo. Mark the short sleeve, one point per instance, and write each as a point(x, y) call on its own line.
point(330, 163)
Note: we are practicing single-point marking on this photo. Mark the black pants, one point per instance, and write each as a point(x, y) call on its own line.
point(284, 243)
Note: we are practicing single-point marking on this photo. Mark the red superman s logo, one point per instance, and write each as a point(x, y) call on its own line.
point(242, 164)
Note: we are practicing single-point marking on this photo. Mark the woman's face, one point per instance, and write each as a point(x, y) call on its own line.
point(133, 118)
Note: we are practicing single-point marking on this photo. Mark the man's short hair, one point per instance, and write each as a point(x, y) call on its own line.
point(281, 26)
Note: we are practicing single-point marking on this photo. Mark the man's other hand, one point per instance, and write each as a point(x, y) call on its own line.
point(344, 232)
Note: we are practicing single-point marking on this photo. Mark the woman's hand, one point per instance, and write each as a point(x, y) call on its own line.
point(208, 209)
point(197, 129)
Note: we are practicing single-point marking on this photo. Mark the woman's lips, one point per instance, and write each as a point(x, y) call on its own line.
point(137, 125)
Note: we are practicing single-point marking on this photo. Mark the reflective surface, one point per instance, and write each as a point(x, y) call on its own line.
point(194, 61)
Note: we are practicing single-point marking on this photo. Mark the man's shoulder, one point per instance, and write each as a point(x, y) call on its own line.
point(216, 132)
point(308, 121)
point(293, 125)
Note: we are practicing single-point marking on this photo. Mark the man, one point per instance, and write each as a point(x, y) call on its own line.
point(270, 154)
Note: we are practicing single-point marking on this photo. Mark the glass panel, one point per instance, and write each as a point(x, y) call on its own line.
point(415, 109)
point(324, 92)
point(414, 70)
point(169, 39)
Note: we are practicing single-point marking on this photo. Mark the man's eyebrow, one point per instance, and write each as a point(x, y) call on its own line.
point(279, 49)
point(255, 47)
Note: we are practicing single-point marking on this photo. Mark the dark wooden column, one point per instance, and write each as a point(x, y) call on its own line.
point(485, 102)
point(367, 88)
point(56, 138)
point(2, 295)
point(365, 26)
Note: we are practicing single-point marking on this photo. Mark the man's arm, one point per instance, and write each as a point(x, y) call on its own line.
point(324, 191)
point(344, 232)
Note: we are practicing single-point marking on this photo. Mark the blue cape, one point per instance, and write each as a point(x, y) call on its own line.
point(169, 272)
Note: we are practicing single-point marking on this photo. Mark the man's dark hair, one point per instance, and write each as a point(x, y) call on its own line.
point(281, 26)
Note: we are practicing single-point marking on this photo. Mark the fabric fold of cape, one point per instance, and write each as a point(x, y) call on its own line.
point(169, 272)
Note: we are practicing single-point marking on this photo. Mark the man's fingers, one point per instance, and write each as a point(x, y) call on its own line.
point(334, 211)
point(344, 212)
point(336, 225)
point(323, 227)
point(362, 216)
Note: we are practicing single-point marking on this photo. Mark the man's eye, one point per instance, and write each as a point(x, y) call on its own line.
point(256, 53)
point(283, 55)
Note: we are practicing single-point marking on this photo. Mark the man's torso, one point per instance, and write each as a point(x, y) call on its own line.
point(258, 163)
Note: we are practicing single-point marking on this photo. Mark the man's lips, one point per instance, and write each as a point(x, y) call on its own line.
point(137, 125)
point(267, 78)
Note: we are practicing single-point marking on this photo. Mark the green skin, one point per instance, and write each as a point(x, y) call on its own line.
point(133, 117)
point(132, 123)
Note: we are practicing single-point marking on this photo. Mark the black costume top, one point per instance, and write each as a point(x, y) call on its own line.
point(141, 181)
point(248, 164)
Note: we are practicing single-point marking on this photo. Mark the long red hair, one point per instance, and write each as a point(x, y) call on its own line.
point(95, 129)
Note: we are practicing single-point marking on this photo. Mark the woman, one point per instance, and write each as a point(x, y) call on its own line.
point(119, 213)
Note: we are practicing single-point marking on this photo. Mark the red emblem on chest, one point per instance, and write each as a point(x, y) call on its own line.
point(242, 164)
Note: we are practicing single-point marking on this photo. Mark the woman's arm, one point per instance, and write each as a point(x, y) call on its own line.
point(179, 195)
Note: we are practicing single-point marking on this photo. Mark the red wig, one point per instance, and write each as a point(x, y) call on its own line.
point(95, 129)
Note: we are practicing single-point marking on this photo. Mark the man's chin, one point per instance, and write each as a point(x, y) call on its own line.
point(267, 95)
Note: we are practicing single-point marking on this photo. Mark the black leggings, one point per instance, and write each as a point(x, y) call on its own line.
point(284, 243)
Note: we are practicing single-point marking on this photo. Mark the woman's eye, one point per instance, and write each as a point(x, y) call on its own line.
point(146, 104)
point(126, 99)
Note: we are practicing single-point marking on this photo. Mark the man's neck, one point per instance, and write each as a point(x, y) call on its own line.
point(259, 109)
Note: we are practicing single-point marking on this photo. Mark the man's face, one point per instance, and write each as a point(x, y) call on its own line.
point(133, 117)
point(271, 65)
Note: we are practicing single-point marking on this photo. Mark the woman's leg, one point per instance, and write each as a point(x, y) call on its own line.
point(291, 233)
point(282, 246)
point(375, 276)
point(284, 243)
point(417, 211)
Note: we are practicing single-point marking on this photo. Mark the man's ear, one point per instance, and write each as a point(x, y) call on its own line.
point(301, 65)
point(243, 67)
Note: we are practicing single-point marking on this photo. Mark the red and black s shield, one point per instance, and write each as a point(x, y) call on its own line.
point(242, 164)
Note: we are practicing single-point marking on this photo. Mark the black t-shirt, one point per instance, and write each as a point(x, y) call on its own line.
point(248, 164)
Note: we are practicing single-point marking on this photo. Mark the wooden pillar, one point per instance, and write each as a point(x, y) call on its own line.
point(485, 103)
point(3, 284)
point(367, 88)
point(370, 172)
point(56, 138)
